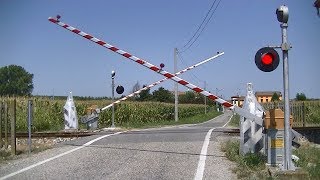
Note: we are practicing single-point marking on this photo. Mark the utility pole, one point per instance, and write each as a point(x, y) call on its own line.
point(176, 117)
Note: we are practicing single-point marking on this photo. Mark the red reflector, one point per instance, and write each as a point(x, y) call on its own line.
point(267, 58)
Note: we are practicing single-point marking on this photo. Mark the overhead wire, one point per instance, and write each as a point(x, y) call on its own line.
point(206, 21)
point(200, 24)
point(183, 62)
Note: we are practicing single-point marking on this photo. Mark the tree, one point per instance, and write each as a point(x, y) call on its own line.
point(301, 97)
point(162, 95)
point(275, 97)
point(145, 95)
point(15, 80)
point(188, 97)
point(135, 88)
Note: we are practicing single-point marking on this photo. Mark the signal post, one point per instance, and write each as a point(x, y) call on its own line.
point(267, 60)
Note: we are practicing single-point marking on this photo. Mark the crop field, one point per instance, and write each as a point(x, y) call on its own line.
point(48, 114)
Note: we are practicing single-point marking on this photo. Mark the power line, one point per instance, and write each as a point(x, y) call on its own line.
point(206, 21)
point(194, 76)
point(200, 24)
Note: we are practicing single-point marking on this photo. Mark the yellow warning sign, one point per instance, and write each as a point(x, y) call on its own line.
point(277, 143)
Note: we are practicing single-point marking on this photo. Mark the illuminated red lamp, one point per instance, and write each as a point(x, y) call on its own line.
point(267, 59)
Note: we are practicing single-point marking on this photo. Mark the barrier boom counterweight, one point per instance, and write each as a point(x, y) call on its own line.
point(142, 62)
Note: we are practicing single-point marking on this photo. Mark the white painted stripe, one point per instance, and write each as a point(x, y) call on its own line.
point(61, 24)
point(121, 52)
point(147, 64)
point(206, 93)
point(82, 33)
point(134, 58)
point(203, 156)
point(71, 28)
point(107, 45)
point(57, 156)
point(228, 121)
point(95, 39)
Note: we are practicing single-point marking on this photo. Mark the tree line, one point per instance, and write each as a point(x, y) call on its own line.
point(16, 81)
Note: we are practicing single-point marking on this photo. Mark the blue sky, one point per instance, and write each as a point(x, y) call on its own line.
point(62, 61)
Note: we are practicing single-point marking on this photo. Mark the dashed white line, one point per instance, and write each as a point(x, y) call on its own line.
point(57, 156)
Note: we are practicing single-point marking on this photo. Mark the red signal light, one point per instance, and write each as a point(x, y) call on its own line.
point(267, 59)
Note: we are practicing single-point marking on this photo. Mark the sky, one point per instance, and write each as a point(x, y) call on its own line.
point(62, 61)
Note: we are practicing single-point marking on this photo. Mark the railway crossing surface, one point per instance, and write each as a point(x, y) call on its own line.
point(179, 152)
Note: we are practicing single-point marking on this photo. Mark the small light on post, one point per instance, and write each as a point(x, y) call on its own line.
point(161, 66)
point(58, 17)
point(113, 73)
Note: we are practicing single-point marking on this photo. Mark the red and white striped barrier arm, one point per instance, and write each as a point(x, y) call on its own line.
point(160, 81)
point(156, 69)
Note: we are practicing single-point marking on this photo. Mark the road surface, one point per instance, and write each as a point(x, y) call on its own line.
point(181, 152)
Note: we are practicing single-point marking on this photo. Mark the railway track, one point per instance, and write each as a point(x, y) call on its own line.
point(237, 130)
point(52, 134)
point(88, 133)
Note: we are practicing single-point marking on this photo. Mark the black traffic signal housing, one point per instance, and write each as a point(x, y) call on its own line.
point(120, 89)
point(267, 59)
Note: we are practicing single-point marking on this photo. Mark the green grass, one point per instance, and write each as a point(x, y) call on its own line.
point(235, 121)
point(188, 120)
point(309, 160)
point(252, 166)
point(249, 166)
point(5, 155)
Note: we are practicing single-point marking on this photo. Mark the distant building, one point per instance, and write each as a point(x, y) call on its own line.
point(266, 96)
point(179, 92)
point(237, 100)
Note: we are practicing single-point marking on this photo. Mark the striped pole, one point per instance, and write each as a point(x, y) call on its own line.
point(156, 69)
point(162, 80)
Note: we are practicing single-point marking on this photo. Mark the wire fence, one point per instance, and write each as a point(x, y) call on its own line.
point(305, 113)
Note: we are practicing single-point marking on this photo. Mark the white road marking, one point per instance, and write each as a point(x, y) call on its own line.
point(57, 156)
point(203, 154)
point(228, 121)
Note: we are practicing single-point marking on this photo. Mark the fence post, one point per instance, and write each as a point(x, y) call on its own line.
point(13, 128)
point(303, 114)
point(30, 116)
point(1, 116)
point(6, 125)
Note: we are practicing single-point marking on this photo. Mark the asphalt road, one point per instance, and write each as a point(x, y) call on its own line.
point(163, 153)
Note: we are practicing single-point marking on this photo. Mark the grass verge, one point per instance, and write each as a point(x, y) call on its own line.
point(252, 166)
point(189, 120)
point(249, 166)
point(309, 160)
point(5, 154)
point(235, 121)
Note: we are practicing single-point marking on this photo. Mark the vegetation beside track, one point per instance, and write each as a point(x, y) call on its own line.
point(235, 121)
point(252, 166)
point(48, 116)
point(248, 166)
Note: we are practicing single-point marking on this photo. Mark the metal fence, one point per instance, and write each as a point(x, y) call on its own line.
point(305, 113)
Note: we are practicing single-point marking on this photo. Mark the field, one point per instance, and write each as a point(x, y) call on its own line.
point(305, 113)
point(48, 114)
